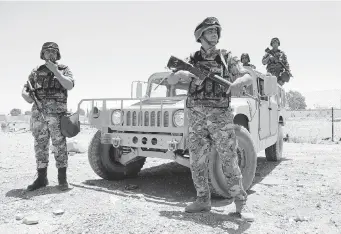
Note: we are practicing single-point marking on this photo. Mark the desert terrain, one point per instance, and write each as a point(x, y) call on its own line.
point(299, 194)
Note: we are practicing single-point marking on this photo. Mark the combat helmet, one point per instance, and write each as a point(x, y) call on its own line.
point(245, 55)
point(209, 22)
point(275, 39)
point(47, 45)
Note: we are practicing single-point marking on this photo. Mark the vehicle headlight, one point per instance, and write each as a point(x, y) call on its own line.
point(178, 118)
point(116, 117)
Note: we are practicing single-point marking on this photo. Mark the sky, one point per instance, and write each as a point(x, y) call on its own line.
point(107, 45)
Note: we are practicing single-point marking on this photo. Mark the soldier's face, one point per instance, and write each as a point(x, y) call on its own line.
point(50, 54)
point(275, 44)
point(211, 35)
point(244, 60)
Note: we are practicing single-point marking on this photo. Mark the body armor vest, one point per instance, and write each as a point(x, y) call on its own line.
point(48, 87)
point(209, 93)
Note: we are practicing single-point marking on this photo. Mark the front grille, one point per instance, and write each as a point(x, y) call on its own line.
point(148, 118)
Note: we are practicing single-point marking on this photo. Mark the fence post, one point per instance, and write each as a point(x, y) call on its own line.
point(332, 123)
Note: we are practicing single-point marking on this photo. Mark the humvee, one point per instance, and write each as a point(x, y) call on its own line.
point(155, 124)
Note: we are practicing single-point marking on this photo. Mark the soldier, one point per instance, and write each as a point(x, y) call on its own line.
point(245, 59)
point(211, 118)
point(273, 65)
point(51, 82)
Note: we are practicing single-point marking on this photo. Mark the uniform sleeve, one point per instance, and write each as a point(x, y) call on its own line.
point(265, 57)
point(235, 67)
point(285, 60)
point(190, 59)
point(68, 73)
point(32, 78)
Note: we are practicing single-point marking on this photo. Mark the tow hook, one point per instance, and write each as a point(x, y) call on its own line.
point(116, 142)
point(172, 145)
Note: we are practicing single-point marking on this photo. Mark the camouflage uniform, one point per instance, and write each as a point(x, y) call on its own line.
point(275, 67)
point(42, 131)
point(211, 125)
point(53, 99)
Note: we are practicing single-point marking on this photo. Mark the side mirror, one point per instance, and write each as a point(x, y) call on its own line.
point(270, 85)
point(139, 90)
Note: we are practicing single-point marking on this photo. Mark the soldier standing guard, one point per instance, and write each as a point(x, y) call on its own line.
point(211, 118)
point(51, 82)
point(245, 59)
point(273, 63)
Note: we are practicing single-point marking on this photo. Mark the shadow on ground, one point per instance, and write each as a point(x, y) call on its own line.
point(24, 194)
point(227, 222)
point(168, 183)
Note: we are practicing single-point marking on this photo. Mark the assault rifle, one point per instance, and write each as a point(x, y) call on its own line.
point(203, 72)
point(267, 50)
point(31, 91)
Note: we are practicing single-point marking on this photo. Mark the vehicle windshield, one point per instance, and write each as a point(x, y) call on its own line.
point(166, 90)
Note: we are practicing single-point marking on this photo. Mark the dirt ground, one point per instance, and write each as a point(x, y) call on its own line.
point(300, 194)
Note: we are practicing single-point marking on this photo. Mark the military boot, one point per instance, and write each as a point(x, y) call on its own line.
point(41, 181)
point(198, 206)
point(243, 212)
point(63, 185)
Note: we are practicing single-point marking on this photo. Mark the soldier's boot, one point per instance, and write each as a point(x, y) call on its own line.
point(41, 181)
point(198, 206)
point(63, 184)
point(243, 212)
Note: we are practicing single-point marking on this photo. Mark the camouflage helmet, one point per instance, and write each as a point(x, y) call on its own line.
point(51, 45)
point(245, 55)
point(209, 22)
point(275, 39)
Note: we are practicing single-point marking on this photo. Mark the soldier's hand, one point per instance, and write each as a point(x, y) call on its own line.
point(52, 67)
point(183, 76)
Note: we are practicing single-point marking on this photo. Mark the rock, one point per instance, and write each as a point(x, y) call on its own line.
point(301, 218)
point(48, 201)
point(58, 212)
point(131, 187)
point(318, 205)
point(19, 216)
point(30, 220)
point(268, 213)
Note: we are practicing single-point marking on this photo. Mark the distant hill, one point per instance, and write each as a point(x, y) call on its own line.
point(323, 98)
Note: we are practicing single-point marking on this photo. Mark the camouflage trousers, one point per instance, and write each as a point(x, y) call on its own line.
point(42, 131)
point(213, 127)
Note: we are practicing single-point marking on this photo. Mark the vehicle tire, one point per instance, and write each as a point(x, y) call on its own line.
point(101, 159)
point(247, 162)
point(274, 152)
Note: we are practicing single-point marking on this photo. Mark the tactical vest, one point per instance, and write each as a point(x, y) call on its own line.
point(47, 86)
point(209, 93)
